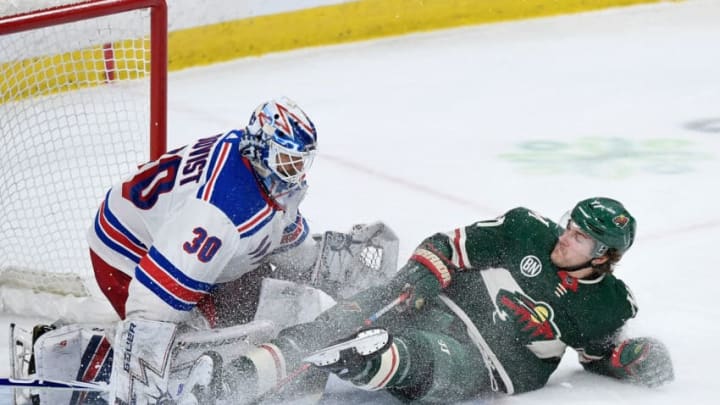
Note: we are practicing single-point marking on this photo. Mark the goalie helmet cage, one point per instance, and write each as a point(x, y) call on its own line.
point(82, 102)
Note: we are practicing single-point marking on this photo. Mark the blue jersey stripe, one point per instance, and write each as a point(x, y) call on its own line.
point(112, 244)
point(260, 252)
point(119, 226)
point(260, 246)
point(177, 274)
point(260, 225)
point(169, 299)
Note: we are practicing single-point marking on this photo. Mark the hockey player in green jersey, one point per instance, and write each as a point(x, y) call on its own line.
point(488, 307)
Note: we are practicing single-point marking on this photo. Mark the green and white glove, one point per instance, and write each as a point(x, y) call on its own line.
point(419, 284)
point(426, 274)
point(643, 361)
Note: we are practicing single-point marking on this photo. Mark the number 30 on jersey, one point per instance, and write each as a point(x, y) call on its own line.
point(203, 245)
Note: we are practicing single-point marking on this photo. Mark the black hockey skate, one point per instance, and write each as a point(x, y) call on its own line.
point(38, 330)
point(22, 355)
point(349, 356)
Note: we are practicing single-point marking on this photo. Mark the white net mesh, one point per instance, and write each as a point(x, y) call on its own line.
point(74, 118)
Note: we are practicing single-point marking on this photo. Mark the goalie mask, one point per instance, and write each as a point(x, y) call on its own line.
point(606, 221)
point(282, 144)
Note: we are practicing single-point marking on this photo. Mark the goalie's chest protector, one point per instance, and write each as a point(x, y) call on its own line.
point(525, 307)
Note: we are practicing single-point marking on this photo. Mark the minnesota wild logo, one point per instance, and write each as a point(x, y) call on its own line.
point(621, 220)
point(534, 317)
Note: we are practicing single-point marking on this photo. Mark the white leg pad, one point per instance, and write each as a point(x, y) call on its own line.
point(78, 352)
point(141, 361)
point(230, 343)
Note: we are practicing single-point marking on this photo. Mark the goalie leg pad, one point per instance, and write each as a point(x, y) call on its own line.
point(230, 342)
point(141, 361)
point(219, 345)
point(72, 353)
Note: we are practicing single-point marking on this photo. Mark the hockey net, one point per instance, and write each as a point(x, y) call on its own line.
point(82, 103)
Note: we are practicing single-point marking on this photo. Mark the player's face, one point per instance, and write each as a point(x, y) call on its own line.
point(289, 165)
point(573, 248)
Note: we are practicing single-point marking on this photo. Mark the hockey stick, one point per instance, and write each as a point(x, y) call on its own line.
point(308, 361)
point(397, 301)
point(54, 384)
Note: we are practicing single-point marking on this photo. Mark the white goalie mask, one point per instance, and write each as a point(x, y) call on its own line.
point(286, 143)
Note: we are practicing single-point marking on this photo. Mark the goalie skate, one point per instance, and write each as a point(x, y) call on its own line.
point(20, 351)
point(22, 361)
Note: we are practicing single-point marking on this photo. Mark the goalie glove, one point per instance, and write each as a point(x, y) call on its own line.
point(643, 361)
point(351, 262)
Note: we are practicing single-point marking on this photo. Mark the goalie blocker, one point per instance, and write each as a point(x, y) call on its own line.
point(345, 263)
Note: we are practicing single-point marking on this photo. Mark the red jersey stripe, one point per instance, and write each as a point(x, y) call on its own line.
point(170, 284)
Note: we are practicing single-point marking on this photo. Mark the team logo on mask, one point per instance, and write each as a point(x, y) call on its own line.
point(530, 266)
point(621, 220)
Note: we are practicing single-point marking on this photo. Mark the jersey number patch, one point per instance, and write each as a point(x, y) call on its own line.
point(204, 246)
point(146, 186)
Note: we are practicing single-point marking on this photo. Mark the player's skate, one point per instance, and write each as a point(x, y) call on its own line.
point(22, 358)
point(20, 351)
point(20, 355)
point(349, 356)
point(22, 361)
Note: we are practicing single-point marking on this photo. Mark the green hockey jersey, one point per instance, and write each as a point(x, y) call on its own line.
point(520, 310)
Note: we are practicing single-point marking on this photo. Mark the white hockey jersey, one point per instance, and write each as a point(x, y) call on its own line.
point(196, 217)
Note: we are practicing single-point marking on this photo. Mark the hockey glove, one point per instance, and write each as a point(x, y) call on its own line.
point(423, 277)
point(643, 361)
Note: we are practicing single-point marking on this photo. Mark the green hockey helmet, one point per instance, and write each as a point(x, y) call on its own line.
point(607, 221)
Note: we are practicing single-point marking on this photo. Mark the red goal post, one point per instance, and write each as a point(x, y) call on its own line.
point(83, 101)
